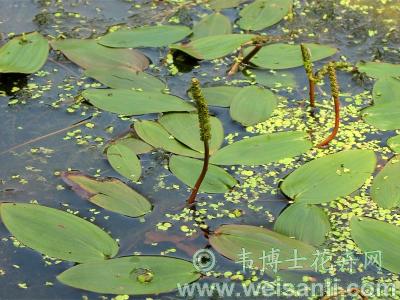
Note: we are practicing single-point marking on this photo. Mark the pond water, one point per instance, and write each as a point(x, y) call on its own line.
point(39, 138)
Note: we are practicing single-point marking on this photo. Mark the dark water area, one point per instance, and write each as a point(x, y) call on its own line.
point(38, 138)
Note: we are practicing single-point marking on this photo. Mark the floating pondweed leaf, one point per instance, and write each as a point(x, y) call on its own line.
point(263, 149)
point(212, 47)
point(131, 275)
point(110, 194)
point(230, 240)
point(24, 54)
point(327, 178)
point(130, 103)
point(136, 145)
point(187, 170)
point(222, 4)
point(394, 143)
point(57, 233)
point(387, 90)
point(305, 222)
point(123, 78)
point(384, 116)
point(124, 160)
point(385, 189)
point(275, 79)
point(214, 24)
point(90, 55)
point(185, 128)
point(253, 105)
point(373, 235)
point(285, 56)
point(220, 95)
point(264, 13)
point(146, 36)
point(156, 135)
point(379, 69)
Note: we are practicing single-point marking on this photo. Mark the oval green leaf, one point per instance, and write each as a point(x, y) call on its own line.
point(24, 54)
point(230, 240)
point(185, 128)
point(263, 149)
point(276, 79)
point(379, 69)
point(373, 235)
point(386, 90)
point(384, 116)
point(263, 13)
point(394, 143)
point(327, 178)
point(305, 222)
point(212, 47)
point(123, 78)
point(214, 24)
point(110, 194)
point(124, 160)
point(131, 275)
point(221, 96)
point(57, 233)
point(286, 56)
point(222, 4)
point(90, 55)
point(187, 170)
point(385, 189)
point(156, 135)
point(146, 36)
point(253, 105)
point(136, 145)
point(130, 103)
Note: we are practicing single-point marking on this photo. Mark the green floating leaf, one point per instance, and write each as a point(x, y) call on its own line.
point(24, 54)
point(394, 143)
point(275, 79)
point(385, 189)
point(212, 47)
point(263, 13)
point(57, 233)
point(131, 275)
point(187, 170)
point(110, 194)
point(90, 55)
point(124, 160)
point(305, 222)
point(373, 235)
point(387, 90)
point(222, 4)
point(253, 105)
point(379, 69)
point(137, 146)
point(230, 240)
point(156, 135)
point(327, 178)
point(146, 36)
point(123, 78)
point(220, 95)
point(130, 103)
point(384, 116)
point(214, 24)
point(263, 149)
point(286, 56)
point(185, 128)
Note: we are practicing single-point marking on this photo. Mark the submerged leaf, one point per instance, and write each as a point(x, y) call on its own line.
point(222, 4)
point(185, 128)
point(123, 78)
point(130, 103)
point(90, 55)
point(264, 13)
point(124, 160)
point(253, 105)
point(285, 56)
point(57, 233)
point(145, 36)
point(305, 222)
point(212, 47)
point(327, 178)
point(24, 54)
point(187, 170)
point(131, 275)
point(214, 24)
point(263, 149)
point(379, 69)
point(110, 194)
point(277, 79)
